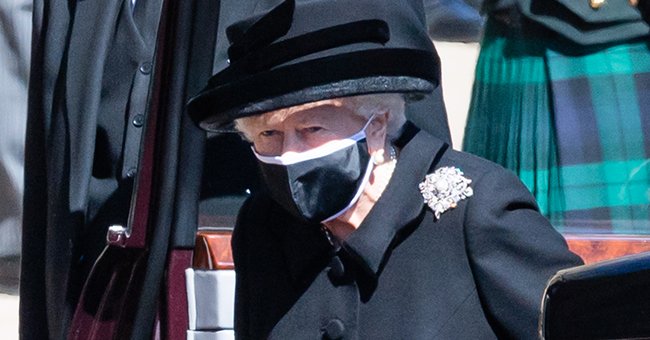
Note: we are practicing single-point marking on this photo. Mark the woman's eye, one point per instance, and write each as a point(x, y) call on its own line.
point(268, 133)
point(312, 129)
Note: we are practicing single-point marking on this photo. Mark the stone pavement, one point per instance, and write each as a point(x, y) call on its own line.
point(8, 317)
point(9, 268)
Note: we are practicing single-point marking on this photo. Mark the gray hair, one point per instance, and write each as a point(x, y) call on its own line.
point(371, 104)
point(363, 105)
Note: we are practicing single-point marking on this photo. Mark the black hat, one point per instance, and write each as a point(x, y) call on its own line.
point(304, 51)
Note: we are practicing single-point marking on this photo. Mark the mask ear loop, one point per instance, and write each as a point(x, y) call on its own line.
point(369, 121)
point(376, 159)
point(362, 132)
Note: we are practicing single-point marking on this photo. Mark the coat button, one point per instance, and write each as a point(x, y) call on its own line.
point(334, 329)
point(337, 272)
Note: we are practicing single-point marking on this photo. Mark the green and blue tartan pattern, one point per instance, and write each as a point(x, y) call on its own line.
point(575, 128)
point(603, 135)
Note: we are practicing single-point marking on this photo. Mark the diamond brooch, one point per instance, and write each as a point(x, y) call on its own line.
point(443, 189)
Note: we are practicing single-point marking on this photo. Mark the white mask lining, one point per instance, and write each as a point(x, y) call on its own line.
point(317, 152)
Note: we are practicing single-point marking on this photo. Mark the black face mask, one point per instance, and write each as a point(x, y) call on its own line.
point(320, 184)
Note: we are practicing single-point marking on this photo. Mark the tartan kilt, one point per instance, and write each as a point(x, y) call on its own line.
point(574, 126)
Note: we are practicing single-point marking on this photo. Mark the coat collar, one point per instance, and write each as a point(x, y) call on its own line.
point(306, 249)
point(399, 205)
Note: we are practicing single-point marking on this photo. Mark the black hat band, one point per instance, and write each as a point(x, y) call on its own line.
point(391, 70)
point(363, 31)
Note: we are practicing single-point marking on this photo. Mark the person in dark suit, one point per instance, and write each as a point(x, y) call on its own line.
point(368, 227)
point(91, 68)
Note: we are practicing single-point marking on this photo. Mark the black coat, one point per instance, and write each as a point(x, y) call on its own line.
point(478, 272)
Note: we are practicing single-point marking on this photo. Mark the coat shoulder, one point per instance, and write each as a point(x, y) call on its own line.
point(471, 164)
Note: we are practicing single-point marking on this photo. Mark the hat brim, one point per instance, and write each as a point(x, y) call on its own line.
point(406, 71)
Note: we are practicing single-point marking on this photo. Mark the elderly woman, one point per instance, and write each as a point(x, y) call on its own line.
point(367, 227)
point(339, 151)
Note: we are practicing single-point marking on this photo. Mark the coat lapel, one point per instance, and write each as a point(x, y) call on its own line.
point(326, 296)
point(306, 249)
point(400, 204)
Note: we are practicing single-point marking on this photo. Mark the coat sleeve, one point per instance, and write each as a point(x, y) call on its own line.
point(513, 252)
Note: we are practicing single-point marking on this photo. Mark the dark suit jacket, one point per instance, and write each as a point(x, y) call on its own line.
point(476, 273)
point(91, 67)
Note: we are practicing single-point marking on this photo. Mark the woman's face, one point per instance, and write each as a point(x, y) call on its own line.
point(303, 127)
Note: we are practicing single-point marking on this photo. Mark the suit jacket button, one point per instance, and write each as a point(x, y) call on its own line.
point(138, 120)
point(145, 68)
point(334, 329)
point(131, 173)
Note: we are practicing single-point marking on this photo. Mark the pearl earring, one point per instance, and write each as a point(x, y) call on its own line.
point(378, 158)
